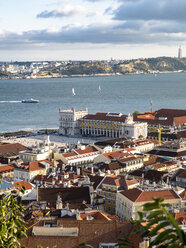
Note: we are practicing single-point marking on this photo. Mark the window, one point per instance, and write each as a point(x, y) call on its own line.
point(50, 224)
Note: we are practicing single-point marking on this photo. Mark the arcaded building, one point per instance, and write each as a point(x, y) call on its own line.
point(114, 125)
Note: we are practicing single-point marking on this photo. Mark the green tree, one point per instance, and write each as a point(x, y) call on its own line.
point(136, 112)
point(12, 224)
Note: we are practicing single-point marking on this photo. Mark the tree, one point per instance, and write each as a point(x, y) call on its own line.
point(160, 227)
point(136, 112)
point(12, 224)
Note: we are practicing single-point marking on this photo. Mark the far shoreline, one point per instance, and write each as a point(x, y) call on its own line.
point(92, 75)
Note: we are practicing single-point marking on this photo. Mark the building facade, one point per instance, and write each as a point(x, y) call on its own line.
point(114, 125)
point(27, 172)
point(109, 187)
point(130, 202)
point(68, 121)
point(82, 156)
point(41, 151)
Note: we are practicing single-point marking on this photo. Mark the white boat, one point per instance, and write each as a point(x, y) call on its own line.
point(31, 100)
point(73, 92)
point(99, 88)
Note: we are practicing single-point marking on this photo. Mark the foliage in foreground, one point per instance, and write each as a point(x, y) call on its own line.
point(12, 225)
point(160, 227)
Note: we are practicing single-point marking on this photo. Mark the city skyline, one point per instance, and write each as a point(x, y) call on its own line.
point(91, 29)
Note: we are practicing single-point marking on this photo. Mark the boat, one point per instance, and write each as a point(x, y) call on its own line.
point(73, 92)
point(31, 100)
point(99, 88)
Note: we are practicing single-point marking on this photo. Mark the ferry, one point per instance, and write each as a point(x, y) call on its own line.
point(31, 100)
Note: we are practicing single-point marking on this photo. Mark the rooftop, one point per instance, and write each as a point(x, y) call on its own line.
point(8, 149)
point(137, 195)
point(73, 194)
point(118, 117)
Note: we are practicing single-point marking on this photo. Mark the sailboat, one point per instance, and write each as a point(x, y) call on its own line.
point(99, 88)
point(73, 92)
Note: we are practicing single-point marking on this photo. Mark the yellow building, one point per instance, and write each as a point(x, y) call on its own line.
point(109, 188)
point(129, 202)
point(113, 125)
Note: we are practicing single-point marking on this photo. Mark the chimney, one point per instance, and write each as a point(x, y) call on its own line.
point(59, 203)
point(78, 215)
point(67, 206)
point(78, 171)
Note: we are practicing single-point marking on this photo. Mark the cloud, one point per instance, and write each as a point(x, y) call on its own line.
point(128, 33)
point(65, 11)
point(151, 10)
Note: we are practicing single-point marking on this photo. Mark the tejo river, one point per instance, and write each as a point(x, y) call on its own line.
point(99, 94)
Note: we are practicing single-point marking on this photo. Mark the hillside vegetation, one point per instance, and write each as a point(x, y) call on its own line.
point(160, 64)
point(91, 68)
point(150, 65)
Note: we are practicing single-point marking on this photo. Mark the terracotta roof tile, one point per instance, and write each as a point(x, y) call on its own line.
point(105, 117)
point(137, 195)
point(183, 195)
point(34, 165)
point(92, 232)
point(173, 117)
point(117, 154)
point(86, 150)
point(118, 181)
point(6, 168)
point(11, 149)
point(180, 217)
point(19, 185)
point(73, 194)
point(69, 154)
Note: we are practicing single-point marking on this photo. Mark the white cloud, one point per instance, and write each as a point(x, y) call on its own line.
point(65, 10)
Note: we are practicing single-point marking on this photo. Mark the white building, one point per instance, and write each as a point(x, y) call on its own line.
point(68, 121)
point(41, 151)
point(27, 172)
point(114, 125)
point(83, 155)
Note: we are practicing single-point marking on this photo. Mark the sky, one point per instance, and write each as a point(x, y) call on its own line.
point(91, 29)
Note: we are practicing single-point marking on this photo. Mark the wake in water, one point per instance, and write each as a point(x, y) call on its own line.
point(10, 101)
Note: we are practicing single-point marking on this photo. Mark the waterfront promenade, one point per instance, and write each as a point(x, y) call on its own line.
point(56, 139)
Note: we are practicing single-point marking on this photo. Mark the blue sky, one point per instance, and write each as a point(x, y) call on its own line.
point(91, 29)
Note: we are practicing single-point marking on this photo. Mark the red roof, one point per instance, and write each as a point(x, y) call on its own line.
point(11, 149)
point(106, 117)
point(96, 215)
point(34, 165)
point(118, 154)
point(88, 149)
point(69, 154)
point(180, 217)
point(137, 195)
point(6, 168)
point(163, 117)
point(183, 194)
point(19, 185)
point(77, 152)
point(118, 181)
